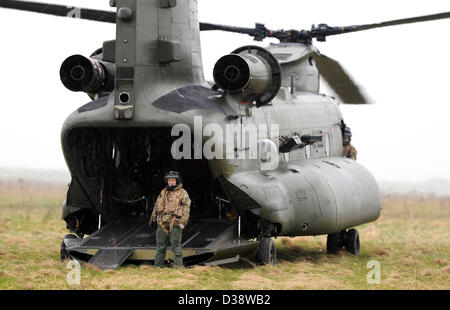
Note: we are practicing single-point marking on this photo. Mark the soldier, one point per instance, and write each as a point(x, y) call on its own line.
point(349, 150)
point(171, 213)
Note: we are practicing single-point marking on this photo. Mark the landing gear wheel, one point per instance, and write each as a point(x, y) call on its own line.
point(335, 241)
point(63, 252)
point(267, 252)
point(352, 241)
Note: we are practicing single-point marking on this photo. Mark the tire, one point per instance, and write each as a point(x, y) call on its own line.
point(335, 242)
point(63, 252)
point(352, 242)
point(267, 252)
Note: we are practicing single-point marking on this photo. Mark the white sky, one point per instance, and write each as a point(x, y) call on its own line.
point(405, 70)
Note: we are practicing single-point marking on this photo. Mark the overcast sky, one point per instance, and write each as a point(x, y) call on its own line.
point(405, 70)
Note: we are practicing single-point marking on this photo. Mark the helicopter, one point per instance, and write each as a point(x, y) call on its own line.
point(150, 79)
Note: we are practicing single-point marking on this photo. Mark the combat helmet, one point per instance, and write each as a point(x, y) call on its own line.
point(347, 136)
point(347, 132)
point(172, 174)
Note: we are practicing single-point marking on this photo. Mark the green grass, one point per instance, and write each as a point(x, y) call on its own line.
point(411, 241)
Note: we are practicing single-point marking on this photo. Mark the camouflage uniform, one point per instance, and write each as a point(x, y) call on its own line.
point(171, 209)
point(350, 151)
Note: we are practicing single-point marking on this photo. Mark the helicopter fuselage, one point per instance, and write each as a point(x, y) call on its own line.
point(118, 146)
point(260, 149)
point(312, 190)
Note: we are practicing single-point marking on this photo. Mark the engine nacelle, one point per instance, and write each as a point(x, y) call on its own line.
point(251, 71)
point(79, 73)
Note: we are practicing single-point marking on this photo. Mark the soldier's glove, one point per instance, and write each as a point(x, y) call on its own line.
point(181, 226)
point(151, 224)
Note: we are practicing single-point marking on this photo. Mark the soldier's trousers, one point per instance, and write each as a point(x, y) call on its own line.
point(173, 241)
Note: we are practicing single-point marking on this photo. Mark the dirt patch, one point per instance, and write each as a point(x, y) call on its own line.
point(381, 252)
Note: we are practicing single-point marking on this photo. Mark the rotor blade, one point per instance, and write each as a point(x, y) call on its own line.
point(60, 10)
point(258, 33)
point(208, 26)
point(340, 81)
point(320, 32)
point(324, 30)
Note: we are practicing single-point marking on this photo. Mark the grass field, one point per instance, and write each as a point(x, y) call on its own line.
point(411, 242)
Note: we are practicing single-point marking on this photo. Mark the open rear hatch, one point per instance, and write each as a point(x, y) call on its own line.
point(117, 175)
point(209, 242)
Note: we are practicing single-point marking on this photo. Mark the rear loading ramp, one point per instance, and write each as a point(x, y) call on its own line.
point(132, 241)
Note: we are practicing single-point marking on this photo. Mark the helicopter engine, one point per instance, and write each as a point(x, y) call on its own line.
point(251, 72)
point(79, 73)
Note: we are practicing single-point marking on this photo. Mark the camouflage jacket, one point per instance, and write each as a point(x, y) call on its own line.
point(171, 207)
point(350, 152)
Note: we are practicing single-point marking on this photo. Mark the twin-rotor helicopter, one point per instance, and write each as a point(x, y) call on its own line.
point(150, 79)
